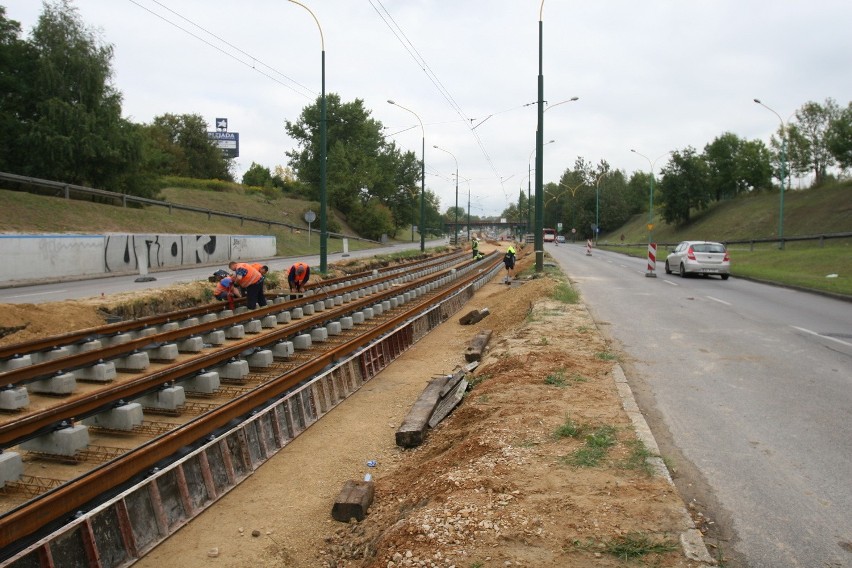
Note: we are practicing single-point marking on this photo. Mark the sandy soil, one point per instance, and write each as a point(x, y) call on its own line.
point(497, 483)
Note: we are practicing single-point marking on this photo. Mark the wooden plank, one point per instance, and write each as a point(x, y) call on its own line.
point(473, 317)
point(448, 403)
point(412, 432)
point(353, 501)
point(477, 346)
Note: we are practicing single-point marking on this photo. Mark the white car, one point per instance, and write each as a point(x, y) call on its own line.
point(560, 238)
point(699, 257)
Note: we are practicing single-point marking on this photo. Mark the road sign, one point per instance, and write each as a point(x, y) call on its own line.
point(650, 226)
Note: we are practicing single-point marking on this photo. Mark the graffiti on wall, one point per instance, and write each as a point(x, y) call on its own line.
point(124, 253)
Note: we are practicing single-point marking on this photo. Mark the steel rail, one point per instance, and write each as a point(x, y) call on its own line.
point(78, 407)
point(61, 502)
point(41, 344)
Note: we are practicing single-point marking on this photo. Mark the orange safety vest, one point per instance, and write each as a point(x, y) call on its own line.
point(300, 272)
point(245, 275)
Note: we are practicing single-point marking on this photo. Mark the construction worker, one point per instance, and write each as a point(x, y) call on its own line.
point(298, 276)
point(262, 268)
point(509, 262)
point(249, 279)
point(225, 289)
point(475, 244)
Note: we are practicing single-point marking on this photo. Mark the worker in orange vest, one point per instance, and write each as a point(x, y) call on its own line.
point(262, 268)
point(298, 276)
point(225, 289)
point(251, 280)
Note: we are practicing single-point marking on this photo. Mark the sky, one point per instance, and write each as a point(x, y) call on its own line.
point(651, 75)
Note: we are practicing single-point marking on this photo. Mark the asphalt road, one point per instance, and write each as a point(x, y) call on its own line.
point(750, 387)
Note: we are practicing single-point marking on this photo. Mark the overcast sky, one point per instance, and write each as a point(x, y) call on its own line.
point(653, 75)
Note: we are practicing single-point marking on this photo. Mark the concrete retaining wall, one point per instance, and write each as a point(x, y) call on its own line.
point(44, 257)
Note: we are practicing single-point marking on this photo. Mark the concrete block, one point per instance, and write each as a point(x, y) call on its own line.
point(169, 398)
point(189, 322)
point(167, 352)
point(319, 335)
point(284, 317)
point(333, 328)
point(407, 296)
point(11, 467)
point(346, 322)
point(124, 417)
point(133, 362)
point(260, 359)
point(308, 309)
point(268, 322)
point(359, 317)
point(191, 345)
point(234, 370)
point(226, 314)
point(169, 326)
point(216, 337)
point(278, 300)
point(283, 350)
point(63, 442)
point(146, 332)
point(297, 313)
point(329, 303)
point(347, 298)
point(338, 300)
point(235, 332)
point(119, 339)
point(253, 326)
point(16, 362)
point(378, 309)
point(98, 373)
point(206, 383)
point(302, 341)
point(319, 306)
point(14, 398)
point(56, 353)
point(92, 345)
point(240, 310)
point(393, 303)
point(207, 318)
point(59, 384)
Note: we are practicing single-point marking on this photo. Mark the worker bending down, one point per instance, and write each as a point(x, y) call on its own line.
point(298, 276)
point(251, 280)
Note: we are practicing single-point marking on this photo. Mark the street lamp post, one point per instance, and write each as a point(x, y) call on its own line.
point(323, 158)
point(783, 173)
point(422, 176)
point(456, 210)
point(651, 265)
point(539, 158)
point(529, 180)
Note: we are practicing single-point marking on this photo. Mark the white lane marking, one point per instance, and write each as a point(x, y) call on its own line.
point(841, 342)
point(720, 301)
point(38, 294)
point(670, 283)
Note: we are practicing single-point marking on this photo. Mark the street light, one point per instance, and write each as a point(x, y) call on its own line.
point(783, 172)
point(651, 266)
point(529, 180)
point(539, 158)
point(571, 100)
point(323, 144)
point(422, 176)
point(456, 227)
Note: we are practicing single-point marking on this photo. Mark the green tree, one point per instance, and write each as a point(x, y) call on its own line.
point(372, 220)
point(839, 137)
point(754, 166)
point(257, 176)
point(178, 145)
point(807, 148)
point(71, 127)
point(721, 156)
point(17, 67)
point(685, 186)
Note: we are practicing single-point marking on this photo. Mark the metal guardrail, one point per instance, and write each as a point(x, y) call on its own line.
point(67, 189)
point(751, 242)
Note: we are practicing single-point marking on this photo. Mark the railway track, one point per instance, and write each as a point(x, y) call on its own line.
point(243, 396)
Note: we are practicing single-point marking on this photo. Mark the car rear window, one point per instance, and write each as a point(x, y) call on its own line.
point(708, 247)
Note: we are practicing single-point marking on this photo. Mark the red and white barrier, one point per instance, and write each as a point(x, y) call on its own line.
point(588, 247)
point(652, 259)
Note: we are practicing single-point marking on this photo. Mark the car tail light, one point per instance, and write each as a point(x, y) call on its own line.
point(690, 254)
point(727, 258)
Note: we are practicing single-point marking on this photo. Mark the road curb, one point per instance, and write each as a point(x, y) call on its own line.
point(691, 540)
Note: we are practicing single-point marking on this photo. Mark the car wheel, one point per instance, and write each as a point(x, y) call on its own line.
point(725, 276)
point(668, 270)
point(682, 271)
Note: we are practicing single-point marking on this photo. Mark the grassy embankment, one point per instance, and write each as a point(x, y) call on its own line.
point(23, 212)
point(825, 266)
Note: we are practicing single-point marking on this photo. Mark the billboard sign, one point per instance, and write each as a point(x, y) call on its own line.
point(228, 142)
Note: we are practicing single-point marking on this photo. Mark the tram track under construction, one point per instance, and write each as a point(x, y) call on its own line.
point(164, 416)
